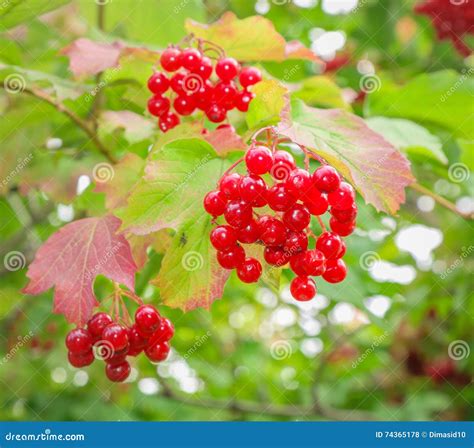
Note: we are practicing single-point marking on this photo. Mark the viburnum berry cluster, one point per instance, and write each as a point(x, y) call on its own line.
point(290, 196)
point(194, 82)
point(452, 19)
point(106, 339)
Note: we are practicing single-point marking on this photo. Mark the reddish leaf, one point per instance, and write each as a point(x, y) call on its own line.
point(225, 140)
point(72, 258)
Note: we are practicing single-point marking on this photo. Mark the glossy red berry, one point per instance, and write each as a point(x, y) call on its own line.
point(230, 185)
point(250, 233)
point(223, 237)
point(79, 360)
point(116, 335)
point(165, 331)
point(326, 179)
point(170, 59)
point(272, 231)
point(78, 341)
point(276, 256)
point(315, 202)
point(136, 340)
point(203, 96)
point(342, 252)
point(279, 198)
point(118, 373)
point(315, 262)
point(158, 83)
point(224, 95)
point(204, 68)
point(216, 113)
point(283, 165)
point(345, 215)
point(177, 83)
point(184, 105)
point(191, 58)
point(117, 357)
point(295, 242)
point(299, 182)
point(227, 69)
point(158, 105)
point(298, 263)
point(250, 270)
point(243, 100)
point(231, 258)
point(303, 288)
point(259, 160)
point(147, 319)
point(297, 217)
point(168, 121)
point(97, 323)
point(335, 272)
point(158, 351)
point(249, 76)
point(342, 228)
point(252, 188)
point(343, 198)
point(329, 244)
point(238, 213)
point(215, 202)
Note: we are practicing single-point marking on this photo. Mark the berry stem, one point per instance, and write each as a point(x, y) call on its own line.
point(321, 223)
point(228, 170)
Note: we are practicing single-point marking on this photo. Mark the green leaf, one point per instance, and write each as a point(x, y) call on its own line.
point(439, 98)
point(14, 12)
point(376, 168)
point(409, 137)
point(136, 127)
point(321, 91)
point(269, 104)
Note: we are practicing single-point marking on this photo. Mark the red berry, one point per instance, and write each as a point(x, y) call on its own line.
point(342, 252)
point(215, 202)
point(252, 189)
point(97, 323)
point(249, 76)
point(295, 242)
point(78, 341)
point(250, 270)
point(227, 69)
point(343, 198)
point(229, 185)
point(117, 357)
point(272, 231)
point(345, 215)
point(116, 335)
point(226, 126)
point(164, 333)
point(231, 258)
point(315, 262)
point(158, 83)
point(329, 244)
point(117, 373)
point(297, 217)
point(335, 271)
point(250, 233)
point(299, 182)
point(168, 121)
point(170, 59)
point(243, 100)
point(342, 228)
point(147, 319)
point(298, 263)
point(191, 58)
point(136, 340)
point(238, 213)
point(204, 68)
point(283, 165)
point(177, 83)
point(326, 179)
point(224, 95)
point(303, 288)
point(275, 256)
point(223, 237)
point(158, 351)
point(184, 105)
point(216, 113)
point(158, 105)
point(315, 202)
point(259, 160)
point(279, 198)
point(80, 359)
point(203, 96)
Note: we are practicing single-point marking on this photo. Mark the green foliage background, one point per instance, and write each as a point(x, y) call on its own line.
point(222, 367)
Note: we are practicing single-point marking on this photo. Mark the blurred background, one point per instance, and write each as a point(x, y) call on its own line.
point(392, 342)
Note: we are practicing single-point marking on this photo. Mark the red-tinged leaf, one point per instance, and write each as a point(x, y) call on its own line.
point(87, 57)
point(225, 140)
point(374, 166)
point(72, 258)
point(296, 50)
point(251, 39)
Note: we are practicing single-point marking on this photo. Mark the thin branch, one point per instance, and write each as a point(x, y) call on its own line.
point(84, 125)
point(441, 201)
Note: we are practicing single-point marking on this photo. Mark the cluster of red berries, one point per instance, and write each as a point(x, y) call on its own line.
point(294, 196)
point(112, 342)
point(192, 88)
point(452, 19)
